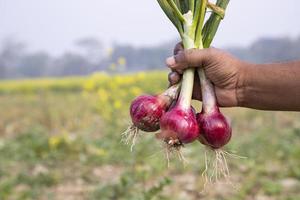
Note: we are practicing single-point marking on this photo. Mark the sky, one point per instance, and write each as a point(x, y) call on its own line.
point(54, 25)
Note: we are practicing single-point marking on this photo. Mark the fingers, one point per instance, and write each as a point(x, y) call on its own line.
point(174, 77)
point(178, 48)
point(189, 58)
point(183, 59)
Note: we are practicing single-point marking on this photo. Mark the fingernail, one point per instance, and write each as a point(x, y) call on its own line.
point(171, 61)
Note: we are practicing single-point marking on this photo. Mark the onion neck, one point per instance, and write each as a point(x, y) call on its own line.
point(209, 101)
point(188, 39)
point(171, 92)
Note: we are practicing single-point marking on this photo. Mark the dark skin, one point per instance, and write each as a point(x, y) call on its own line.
point(237, 83)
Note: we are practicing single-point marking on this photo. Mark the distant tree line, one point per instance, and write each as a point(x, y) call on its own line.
point(269, 50)
point(17, 62)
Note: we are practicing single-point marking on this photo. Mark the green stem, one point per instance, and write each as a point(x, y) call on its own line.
point(209, 101)
point(216, 9)
point(200, 21)
point(184, 5)
point(171, 15)
point(192, 5)
point(177, 2)
point(176, 10)
point(188, 75)
point(211, 26)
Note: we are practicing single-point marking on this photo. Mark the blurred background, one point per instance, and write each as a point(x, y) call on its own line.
point(68, 72)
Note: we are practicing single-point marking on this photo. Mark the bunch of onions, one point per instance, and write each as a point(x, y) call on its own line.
point(180, 124)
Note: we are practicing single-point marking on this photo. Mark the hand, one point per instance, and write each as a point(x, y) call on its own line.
point(221, 68)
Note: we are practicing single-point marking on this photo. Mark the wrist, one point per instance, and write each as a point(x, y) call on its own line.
point(246, 74)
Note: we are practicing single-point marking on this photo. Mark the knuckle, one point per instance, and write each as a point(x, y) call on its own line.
point(190, 53)
point(210, 51)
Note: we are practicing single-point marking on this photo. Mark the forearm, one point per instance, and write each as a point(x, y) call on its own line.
point(270, 86)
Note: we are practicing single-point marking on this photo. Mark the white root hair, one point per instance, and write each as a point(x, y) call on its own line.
point(129, 137)
point(216, 167)
point(174, 148)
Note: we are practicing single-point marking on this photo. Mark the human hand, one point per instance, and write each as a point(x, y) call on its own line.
point(222, 69)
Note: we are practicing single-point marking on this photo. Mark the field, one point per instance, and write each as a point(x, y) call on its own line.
point(60, 139)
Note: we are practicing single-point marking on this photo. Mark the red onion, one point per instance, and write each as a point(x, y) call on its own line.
point(179, 126)
point(216, 130)
point(146, 111)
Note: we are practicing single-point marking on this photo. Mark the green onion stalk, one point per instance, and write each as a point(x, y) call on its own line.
point(188, 17)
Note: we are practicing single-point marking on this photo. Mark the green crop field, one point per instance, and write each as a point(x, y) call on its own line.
point(60, 139)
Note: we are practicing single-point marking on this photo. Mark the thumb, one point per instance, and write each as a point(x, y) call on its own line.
point(189, 58)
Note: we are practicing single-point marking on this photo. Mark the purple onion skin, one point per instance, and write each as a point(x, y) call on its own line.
point(216, 130)
point(179, 124)
point(146, 111)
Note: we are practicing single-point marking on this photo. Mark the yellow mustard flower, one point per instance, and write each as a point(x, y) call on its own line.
point(54, 141)
point(135, 91)
point(103, 95)
point(117, 104)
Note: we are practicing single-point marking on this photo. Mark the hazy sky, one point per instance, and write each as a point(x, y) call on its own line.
point(54, 24)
